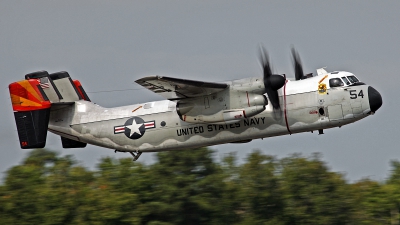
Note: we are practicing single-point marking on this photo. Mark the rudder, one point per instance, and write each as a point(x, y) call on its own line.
point(31, 111)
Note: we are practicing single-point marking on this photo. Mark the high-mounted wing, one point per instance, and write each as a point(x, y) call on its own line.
point(174, 88)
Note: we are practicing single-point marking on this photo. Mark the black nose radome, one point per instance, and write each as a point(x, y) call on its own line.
point(375, 99)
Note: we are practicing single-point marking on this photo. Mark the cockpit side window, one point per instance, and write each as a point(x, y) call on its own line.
point(353, 79)
point(346, 81)
point(336, 82)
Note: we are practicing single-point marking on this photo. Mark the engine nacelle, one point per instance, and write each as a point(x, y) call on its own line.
point(226, 116)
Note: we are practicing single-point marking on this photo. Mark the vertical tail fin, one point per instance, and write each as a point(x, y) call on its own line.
point(31, 111)
point(81, 91)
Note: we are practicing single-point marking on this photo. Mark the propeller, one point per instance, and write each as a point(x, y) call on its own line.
point(272, 82)
point(298, 68)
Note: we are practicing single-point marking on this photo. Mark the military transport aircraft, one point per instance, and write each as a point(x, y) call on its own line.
point(195, 113)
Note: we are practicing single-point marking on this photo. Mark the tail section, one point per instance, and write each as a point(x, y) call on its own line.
point(32, 100)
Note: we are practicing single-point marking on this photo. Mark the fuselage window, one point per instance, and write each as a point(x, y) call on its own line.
point(336, 82)
point(346, 81)
point(353, 79)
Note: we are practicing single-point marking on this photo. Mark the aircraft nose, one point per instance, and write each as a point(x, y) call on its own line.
point(375, 99)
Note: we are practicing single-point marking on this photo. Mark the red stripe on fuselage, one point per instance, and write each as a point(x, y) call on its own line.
point(284, 107)
point(248, 100)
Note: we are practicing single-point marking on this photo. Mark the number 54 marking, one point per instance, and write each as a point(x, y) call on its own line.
point(353, 94)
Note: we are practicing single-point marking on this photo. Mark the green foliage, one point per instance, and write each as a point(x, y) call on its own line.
point(189, 187)
point(260, 193)
point(312, 194)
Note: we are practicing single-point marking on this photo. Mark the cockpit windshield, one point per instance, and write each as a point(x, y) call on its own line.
point(353, 79)
point(341, 79)
point(346, 81)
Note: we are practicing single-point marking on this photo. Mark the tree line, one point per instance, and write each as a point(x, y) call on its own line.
point(190, 187)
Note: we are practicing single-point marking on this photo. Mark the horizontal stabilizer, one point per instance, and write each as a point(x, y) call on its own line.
point(59, 87)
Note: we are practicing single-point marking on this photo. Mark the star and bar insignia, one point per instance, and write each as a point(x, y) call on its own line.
point(135, 127)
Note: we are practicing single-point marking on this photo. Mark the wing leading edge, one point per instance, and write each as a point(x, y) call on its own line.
point(174, 88)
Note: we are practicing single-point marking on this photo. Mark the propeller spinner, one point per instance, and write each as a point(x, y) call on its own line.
point(272, 82)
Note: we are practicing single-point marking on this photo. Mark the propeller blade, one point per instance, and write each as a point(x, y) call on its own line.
point(264, 59)
point(272, 82)
point(298, 68)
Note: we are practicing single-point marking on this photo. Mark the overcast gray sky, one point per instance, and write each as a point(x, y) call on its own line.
point(107, 45)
